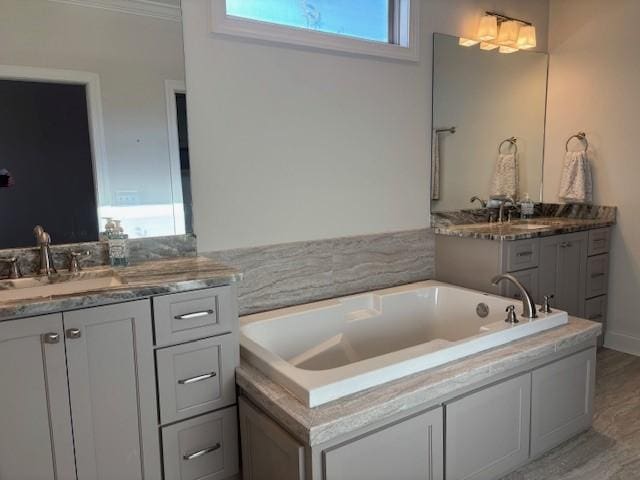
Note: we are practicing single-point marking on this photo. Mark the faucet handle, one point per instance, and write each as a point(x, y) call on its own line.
point(14, 268)
point(546, 306)
point(512, 318)
point(74, 260)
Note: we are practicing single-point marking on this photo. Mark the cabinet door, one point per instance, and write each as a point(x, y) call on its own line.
point(562, 270)
point(562, 400)
point(268, 451)
point(35, 423)
point(595, 309)
point(528, 278)
point(488, 431)
point(409, 450)
point(112, 390)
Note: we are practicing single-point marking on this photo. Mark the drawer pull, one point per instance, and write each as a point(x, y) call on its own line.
point(596, 275)
point(189, 316)
point(199, 453)
point(566, 245)
point(595, 317)
point(199, 378)
point(599, 241)
point(524, 254)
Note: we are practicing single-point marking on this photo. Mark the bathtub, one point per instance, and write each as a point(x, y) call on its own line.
point(325, 350)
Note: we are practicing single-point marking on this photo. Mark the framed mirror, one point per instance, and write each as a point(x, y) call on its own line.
point(488, 124)
point(92, 120)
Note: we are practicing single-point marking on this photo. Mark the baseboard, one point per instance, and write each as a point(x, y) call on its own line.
point(622, 343)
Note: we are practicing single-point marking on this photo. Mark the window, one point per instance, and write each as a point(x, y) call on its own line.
point(385, 28)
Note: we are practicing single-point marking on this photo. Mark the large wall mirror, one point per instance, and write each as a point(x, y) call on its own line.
point(489, 122)
point(92, 120)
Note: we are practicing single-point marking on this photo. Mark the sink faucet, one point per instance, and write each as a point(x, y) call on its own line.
point(528, 305)
point(476, 198)
point(43, 240)
point(503, 202)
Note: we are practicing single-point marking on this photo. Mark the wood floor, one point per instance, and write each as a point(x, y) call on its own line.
point(611, 449)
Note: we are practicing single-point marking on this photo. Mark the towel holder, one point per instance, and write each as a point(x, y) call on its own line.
point(513, 141)
point(451, 130)
point(582, 136)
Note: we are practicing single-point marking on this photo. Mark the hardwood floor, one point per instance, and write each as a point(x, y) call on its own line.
point(611, 449)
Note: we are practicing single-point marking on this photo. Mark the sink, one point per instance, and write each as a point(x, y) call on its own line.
point(529, 226)
point(60, 284)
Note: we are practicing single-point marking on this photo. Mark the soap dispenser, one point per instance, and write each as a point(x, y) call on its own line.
point(118, 246)
point(527, 207)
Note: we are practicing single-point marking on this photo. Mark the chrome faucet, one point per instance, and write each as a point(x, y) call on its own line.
point(503, 202)
point(528, 305)
point(476, 198)
point(43, 240)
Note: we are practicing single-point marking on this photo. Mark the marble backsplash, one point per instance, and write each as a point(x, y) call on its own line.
point(140, 249)
point(542, 210)
point(282, 275)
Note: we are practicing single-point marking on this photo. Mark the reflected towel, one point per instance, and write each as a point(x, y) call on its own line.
point(505, 176)
point(435, 166)
point(576, 183)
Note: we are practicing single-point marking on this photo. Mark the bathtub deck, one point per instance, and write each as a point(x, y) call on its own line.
point(611, 449)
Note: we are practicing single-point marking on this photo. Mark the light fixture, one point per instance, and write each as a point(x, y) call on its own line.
point(527, 37)
point(507, 49)
point(509, 33)
point(467, 42)
point(488, 28)
point(488, 46)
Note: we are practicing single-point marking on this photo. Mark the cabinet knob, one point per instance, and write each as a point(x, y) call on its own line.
point(73, 333)
point(51, 338)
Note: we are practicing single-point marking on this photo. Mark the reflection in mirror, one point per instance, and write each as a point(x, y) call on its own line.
point(92, 121)
point(488, 119)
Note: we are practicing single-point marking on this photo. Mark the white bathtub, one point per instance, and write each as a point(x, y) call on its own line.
point(323, 351)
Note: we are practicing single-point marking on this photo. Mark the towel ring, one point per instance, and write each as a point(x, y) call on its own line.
point(582, 136)
point(511, 140)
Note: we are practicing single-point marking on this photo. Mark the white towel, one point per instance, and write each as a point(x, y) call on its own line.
point(505, 176)
point(435, 166)
point(576, 183)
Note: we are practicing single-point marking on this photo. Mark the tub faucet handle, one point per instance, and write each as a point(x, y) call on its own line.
point(512, 318)
point(546, 306)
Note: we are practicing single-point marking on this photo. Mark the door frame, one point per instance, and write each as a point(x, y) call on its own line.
point(91, 82)
point(171, 87)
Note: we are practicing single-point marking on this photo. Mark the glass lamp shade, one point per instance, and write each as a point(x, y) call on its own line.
point(467, 42)
point(488, 46)
point(488, 28)
point(527, 37)
point(509, 33)
point(506, 49)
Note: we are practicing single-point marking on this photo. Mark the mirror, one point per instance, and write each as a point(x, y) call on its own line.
point(484, 101)
point(92, 120)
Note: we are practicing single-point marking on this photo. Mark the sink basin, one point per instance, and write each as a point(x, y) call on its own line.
point(529, 226)
point(61, 284)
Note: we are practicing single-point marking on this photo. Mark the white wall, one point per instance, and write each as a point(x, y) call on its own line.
point(594, 78)
point(290, 144)
point(132, 54)
point(488, 97)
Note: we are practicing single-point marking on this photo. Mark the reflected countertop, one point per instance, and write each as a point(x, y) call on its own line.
point(140, 281)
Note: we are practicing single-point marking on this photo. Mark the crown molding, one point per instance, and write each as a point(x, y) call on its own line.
point(147, 8)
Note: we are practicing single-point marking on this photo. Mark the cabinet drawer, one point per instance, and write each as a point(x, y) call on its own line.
point(204, 448)
point(595, 309)
point(196, 377)
point(599, 241)
point(562, 400)
point(528, 278)
point(188, 316)
point(522, 254)
point(597, 275)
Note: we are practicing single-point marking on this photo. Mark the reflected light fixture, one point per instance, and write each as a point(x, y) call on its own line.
point(467, 42)
point(527, 37)
point(488, 28)
point(509, 33)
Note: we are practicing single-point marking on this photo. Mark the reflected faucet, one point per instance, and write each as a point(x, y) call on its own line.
point(528, 305)
point(503, 201)
point(43, 240)
point(475, 198)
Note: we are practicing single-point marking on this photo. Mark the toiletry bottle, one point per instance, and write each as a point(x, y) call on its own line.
point(526, 207)
point(109, 229)
point(118, 247)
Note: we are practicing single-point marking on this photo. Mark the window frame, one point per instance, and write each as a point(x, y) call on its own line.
point(404, 23)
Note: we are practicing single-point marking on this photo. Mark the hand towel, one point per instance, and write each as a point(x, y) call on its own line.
point(576, 183)
point(505, 176)
point(435, 166)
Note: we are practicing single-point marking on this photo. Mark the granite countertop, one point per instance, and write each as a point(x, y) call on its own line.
point(139, 281)
point(313, 426)
point(515, 231)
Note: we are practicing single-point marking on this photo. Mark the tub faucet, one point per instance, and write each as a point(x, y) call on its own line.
point(528, 305)
point(43, 240)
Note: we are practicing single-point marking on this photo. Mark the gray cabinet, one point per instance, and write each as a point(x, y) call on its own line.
point(562, 270)
point(595, 309)
point(488, 431)
point(35, 422)
point(112, 392)
point(411, 449)
point(268, 451)
point(562, 400)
